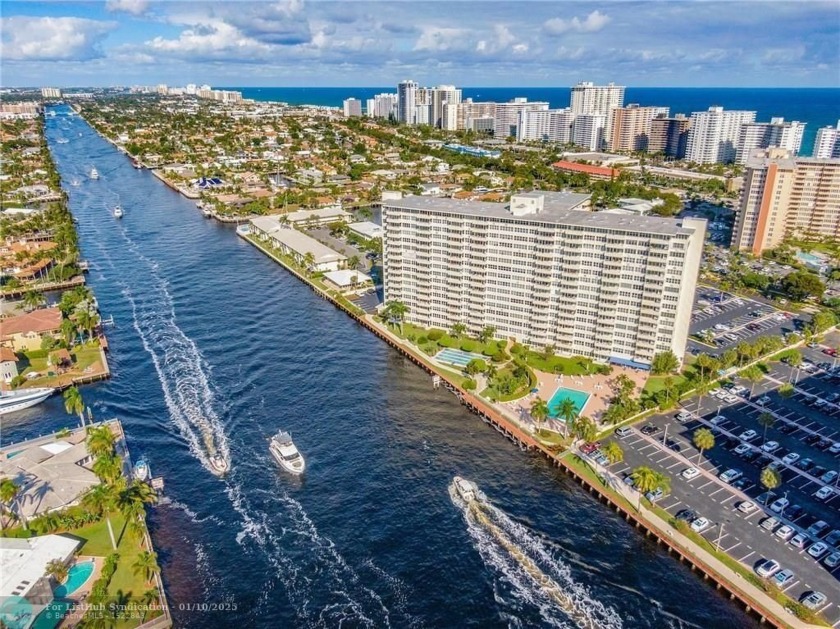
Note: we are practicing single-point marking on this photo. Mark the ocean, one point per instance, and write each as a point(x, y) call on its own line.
point(818, 107)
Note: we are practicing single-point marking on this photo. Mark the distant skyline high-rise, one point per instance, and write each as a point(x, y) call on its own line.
point(713, 136)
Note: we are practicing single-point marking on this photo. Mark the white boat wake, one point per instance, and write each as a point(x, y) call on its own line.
point(527, 569)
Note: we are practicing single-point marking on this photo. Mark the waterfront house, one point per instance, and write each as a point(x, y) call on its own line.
point(296, 244)
point(321, 216)
point(8, 365)
point(25, 332)
point(366, 229)
point(347, 280)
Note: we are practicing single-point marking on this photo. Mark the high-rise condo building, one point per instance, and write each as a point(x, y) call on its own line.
point(784, 196)
point(589, 131)
point(382, 106)
point(631, 127)
point(669, 135)
point(762, 135)
point(352, 107)
point(548, 125)
point(827, 144)
point(546, 271)
point(713, 136)
point(406, 101)
point(507, 115)
point(443, 95)
point(468, 111)
point(588, 98)
point(50, 92)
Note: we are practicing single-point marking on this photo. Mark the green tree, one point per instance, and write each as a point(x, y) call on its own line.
point(786, 390)
point(108, 467)
point(353, 262)
point(74, 404)
point(613, 452)
point(548, 352)
point(664, 362)
point(794, 359)
point(704, 439)
point(146, 565)
point(58, 570)
point(486, 333)
point(770, 479)
point(100, 441)
point(101, 500)
point(33, 299)
point(646, 480)
point(395, 312)
point(766, 420)
point(475, 366)
point(754, 375)
point(9, 492)
point(823, 320)
point(457, 329)
point(801, 285)
point(68, 330)
point(568, 412)
point(309, 260)
point(539, 411)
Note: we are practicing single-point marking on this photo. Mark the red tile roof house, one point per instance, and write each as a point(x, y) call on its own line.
point(596, 172)
point(24, 332)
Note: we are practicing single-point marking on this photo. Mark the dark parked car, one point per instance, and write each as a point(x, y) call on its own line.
point(805, 464)
point(686, 515)
point(811, 439)
point(673, 445)
point(794, 512)
point(649, 429)
point(787, 428)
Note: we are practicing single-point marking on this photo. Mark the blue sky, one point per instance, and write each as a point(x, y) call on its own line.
point(355, 43)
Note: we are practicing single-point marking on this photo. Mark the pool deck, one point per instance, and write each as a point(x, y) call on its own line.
point(599, 388)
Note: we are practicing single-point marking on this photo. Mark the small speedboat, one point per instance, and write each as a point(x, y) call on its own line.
point(286, 454)
point(94, 174)
point(136, 164)
point(118, 212)
point(141, 470)
point(466, 490)
point(219, 464)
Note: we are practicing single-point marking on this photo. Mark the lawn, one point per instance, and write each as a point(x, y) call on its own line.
point(491, 393)
point(570, 365)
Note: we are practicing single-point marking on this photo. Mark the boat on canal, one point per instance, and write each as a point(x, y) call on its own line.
point(94, 174)
point(218, 464)
point(141, 470)
point(286, 454)
point(118, 212)
point(11, 401)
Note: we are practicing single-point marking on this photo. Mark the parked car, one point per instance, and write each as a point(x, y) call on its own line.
point(748, 435)
point(824, 493)
point(805, 464)
point(682, 416)
point(832, 560)
point(767, 568)
point(690, 473)
point(717, 420)
point(783, 577)
point(818, 550)
point(770, 446)
point(833, 538)
point(829, 477)
point(769, 523)
point(800, 540)
point(742, 448)
point(746, 506)
point(818, 528)
point(763, 400)
point(784, 532)
point(779, 505)
point(687, 515)
point(653, 496)
point(622, 432)
point(794, 512)
point(813, 600)
point(790, 458)
point(700, 524)
point(673, 445)
point(731, 475)
point(649, 429)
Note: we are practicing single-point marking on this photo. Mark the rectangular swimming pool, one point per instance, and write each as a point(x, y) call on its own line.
point(580, 398)
point(456, 357)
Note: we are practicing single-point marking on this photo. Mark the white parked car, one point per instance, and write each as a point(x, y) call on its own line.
point(779, 505)
point(689, 473)
point(742, 448)
point(768, 524)
point(747, 507)
point(835, 448)
point(783, 577)
point(829, 477)
point(800, 540)
point(731, 475)
point(715, 392)
point(832, 561)
point(818, 550)
point(767, 568)
point(700, 524)
point(824, 493)
point(763, 400)
point(784, 532)
point(717, 419)
point(748, 435)
point(790, 458)
point(770, 446)
point(683, 416)
point(814, 600)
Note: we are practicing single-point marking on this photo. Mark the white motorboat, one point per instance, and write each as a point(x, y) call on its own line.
point(11, 401)
point(466, 490)
point(62, 140)
point(219, 464)
point(286, 454)
point(94, 174)
point(141, 470)
point(118, 212)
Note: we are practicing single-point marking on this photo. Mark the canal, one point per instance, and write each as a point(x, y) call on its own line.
point(215, 344)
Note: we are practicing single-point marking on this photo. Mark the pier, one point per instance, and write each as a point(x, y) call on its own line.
point(755, 602)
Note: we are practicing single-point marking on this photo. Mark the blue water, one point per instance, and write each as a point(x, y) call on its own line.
point(456, 356)
point(212, 339)
point(578, 397)
point(77, 576)
point(819, 107)
point(51, 615)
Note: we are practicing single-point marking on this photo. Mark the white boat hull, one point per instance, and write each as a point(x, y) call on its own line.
point(8, 405)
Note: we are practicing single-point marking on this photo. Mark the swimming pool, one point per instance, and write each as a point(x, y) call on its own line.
point(808, 257)
point(580, 398)
point(51, 615)
point(456, 357)
point(77, 576)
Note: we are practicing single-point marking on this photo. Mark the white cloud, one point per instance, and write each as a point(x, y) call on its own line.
point(214, 40)
point(134, 7)
point(437, 39)
point(52, 38)
point(592, 23)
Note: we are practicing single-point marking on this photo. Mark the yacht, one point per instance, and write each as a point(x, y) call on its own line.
point(94, 174)
point(141, 470)
point(62, 140)
point(466, 490)
point(283, 450)
point(136, 164)
point(118, 212)
point(11, 401)
point(219, 464)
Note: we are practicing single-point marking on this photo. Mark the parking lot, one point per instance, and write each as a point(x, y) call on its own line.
point(729, 319)
point(802, 447)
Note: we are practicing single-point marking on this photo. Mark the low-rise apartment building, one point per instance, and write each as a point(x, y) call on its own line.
point(546, 271)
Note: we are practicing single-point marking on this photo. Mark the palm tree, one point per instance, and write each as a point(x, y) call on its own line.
point(539, 411)
point(486, 333)
point(32, 300)
point(101, 499)
point(395, 311)
point(58, 570)
point(100, 441)
point(8, 496)
point(646, 480)
point(353, 262)
point(704, 439)
point(68, 330)
point(148, 599)
point(309, 260)
point(108, 467)
point(457, 329)
point(585, 429)
point(569, 412)
point(548, 352)
point(795, 361)
point(754, 375)
point(146, 564)
point(74, 404)
point(613, 452)
point(771, 479)
point(766, 420)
